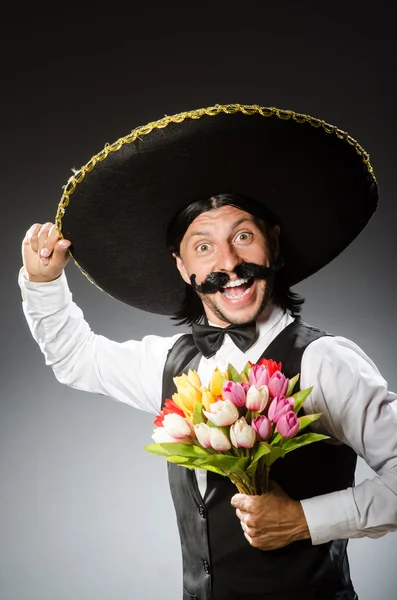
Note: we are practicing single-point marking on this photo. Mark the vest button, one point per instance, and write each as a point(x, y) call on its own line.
point(202, 511)
point(206, 567)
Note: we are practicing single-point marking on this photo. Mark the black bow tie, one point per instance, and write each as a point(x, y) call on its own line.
point(208, 339)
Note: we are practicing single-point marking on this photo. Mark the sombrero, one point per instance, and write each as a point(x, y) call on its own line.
point(116, 209)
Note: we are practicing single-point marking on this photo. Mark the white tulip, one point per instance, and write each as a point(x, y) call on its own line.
point(161, 436)
point(222, 413)
point(203, 434)
point(242, 435)
point(219, 440)
point(176, 426)
point(257, 398)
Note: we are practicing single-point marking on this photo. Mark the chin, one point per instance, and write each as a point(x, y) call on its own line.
point(236, 315)
point(239, 318)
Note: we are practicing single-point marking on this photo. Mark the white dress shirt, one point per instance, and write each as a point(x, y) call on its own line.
point(357, 407)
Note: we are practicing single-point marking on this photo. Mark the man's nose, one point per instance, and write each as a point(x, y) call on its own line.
point(228, 258)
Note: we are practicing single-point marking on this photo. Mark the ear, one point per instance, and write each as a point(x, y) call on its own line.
point(181, 268)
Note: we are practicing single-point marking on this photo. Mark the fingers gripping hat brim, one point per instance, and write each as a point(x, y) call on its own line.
point(116, 209)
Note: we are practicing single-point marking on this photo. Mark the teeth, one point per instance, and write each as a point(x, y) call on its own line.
point(235, 283)
point(237, 297)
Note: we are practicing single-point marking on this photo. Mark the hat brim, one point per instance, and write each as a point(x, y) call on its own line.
point(117, 208)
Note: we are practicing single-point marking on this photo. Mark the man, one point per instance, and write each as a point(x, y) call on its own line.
point(237, 254)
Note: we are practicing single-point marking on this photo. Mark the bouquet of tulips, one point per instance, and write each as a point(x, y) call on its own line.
point(237, 426)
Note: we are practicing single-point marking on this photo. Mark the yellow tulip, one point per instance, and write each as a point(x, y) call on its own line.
point(184, 404)
point(186, 382)
point(207, 398)
point(216, 384)
point(187, 395)
point(194, 378)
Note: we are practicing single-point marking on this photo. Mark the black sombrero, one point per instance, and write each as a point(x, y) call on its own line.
point(116, 209)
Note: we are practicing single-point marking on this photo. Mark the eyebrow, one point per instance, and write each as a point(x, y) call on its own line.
point(234, 226)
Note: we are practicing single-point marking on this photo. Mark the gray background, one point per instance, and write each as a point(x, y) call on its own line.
point(85, 512)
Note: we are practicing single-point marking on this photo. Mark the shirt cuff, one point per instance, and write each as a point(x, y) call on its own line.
point(43, 297)
point(331, 516)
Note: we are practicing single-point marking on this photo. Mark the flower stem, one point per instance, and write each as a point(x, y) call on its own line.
point(261, 478)
point(243, 484)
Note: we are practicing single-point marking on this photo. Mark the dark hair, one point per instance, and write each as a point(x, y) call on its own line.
point(192, 310)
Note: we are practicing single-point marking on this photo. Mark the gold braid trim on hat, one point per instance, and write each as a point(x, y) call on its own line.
point(211, 111)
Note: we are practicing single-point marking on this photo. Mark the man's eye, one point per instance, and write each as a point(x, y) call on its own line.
point(242, 237)
point(202, 248)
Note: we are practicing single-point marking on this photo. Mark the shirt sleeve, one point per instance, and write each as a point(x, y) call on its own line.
point(129, 372)
point(357, 409)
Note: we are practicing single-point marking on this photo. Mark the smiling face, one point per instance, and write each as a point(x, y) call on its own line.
point(216, 242)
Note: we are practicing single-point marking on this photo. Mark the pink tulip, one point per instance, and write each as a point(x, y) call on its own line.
point(288, 424)
point(222, 413)
point(262, 427)
point(235, 392)
point(176, 426)
point(279, 406)
point(257, 398)
point(242, 435)
point(259, 375)
point(202, 432)
point(219, 440)
point(278, 384)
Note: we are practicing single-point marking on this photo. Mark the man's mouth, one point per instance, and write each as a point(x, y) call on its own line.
point(237, 288)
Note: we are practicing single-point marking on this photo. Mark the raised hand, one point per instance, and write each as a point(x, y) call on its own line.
point(44, 253)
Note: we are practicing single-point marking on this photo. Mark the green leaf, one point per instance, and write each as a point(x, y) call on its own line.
point(268, 458)
point(247, 370)
point(307, 419)
point(176, 449)
point(300, 398)
point(249, 416)
point(263, 449)
point(221, 461)
point(276, 452)
point(275, 440)
point(303, 440)
point(182, 460)
point(155, 449)
point(232, 374)
point(252, 468)
point(226, 430)
point(291, 385)
point(189, 464)
point(198, 416)
point(237, 472)
point(240, 466)
point(213, 469)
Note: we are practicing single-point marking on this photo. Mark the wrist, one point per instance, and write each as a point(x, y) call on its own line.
point(39, 278)
point(302, 531)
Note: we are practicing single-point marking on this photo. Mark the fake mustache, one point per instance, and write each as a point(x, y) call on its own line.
point(214, 282)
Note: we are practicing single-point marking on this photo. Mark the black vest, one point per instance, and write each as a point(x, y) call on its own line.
point(218, 561)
